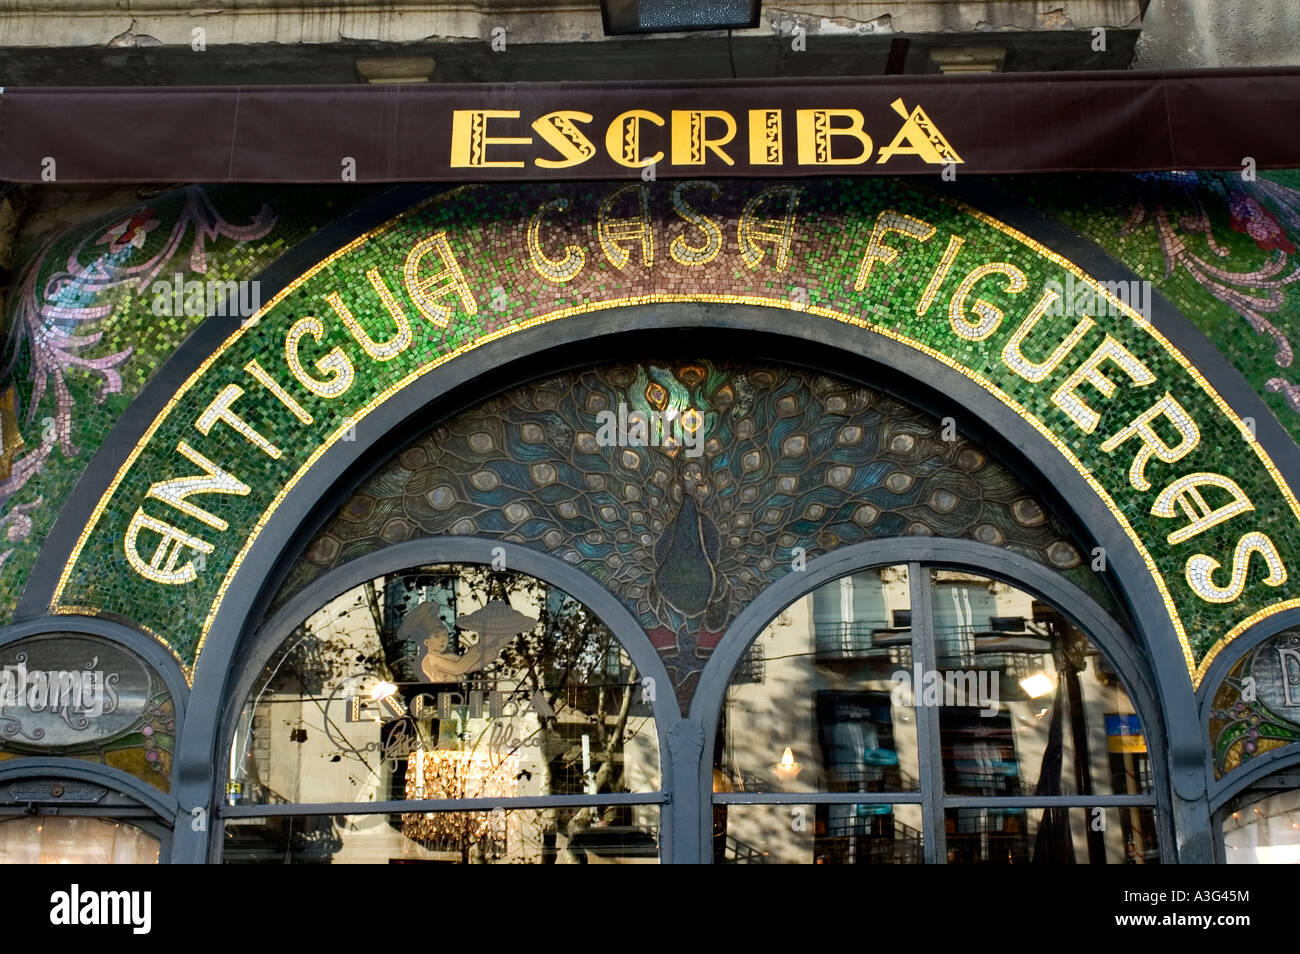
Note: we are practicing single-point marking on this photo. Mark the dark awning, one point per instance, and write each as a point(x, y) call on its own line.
point(997, 123)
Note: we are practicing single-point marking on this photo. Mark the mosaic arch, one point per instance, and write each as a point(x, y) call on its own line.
point(772, 462)
point(1185, 477)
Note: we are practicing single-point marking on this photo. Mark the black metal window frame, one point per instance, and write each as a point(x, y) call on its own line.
point(932, 798)
point(453, 551)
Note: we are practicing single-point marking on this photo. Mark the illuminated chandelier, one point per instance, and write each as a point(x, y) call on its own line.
point(455, 774)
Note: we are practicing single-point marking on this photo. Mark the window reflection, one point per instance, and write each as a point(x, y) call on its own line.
point(821, 715)
point(1019, 703)
point(1051, 836)
point(1038, 711)
point(822, 834)
point(625, 834)
point(445, 682)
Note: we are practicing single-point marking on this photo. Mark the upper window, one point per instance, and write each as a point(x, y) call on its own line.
point(936, 719)
point(447, 683)
point(74, 840)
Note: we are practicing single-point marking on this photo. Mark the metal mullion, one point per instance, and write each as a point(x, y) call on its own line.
point(817, 798)
point(1050, 801)
point(444, 805)
point(930, 764)
point(47, 810)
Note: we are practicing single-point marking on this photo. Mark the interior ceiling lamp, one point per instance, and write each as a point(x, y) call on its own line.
point(787, 769)
point(676, 16)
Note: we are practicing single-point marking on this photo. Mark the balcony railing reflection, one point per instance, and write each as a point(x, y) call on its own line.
point(739, 852)
point(856, 640)
point(984, 835)
point(872, 838)
point(1016, 647)
point(752, 667)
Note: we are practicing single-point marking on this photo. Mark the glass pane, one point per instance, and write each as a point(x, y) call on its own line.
point(817, 834)
point(1265, 832)
point(445, 682)
point(74, 840)
point(1051, 835)
point(610, 835)
point(1027, 704)
point(812, 708)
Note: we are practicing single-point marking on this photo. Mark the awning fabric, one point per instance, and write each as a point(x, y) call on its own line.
point(1004, 123)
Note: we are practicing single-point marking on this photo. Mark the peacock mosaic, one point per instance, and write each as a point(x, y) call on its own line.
point(791, 462)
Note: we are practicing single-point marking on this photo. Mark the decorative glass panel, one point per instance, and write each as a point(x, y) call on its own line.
point(72, 840)
point(84, 697)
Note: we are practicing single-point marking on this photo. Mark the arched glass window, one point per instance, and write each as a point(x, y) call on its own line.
point(909, 713)
point(1263, 829)
point(74, 840)
point(446, 713)
point(1261, 824)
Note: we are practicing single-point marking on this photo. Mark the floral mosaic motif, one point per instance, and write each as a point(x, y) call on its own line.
point(1221, 247)
point(82, 338)
point(783, 462)
point(57, 314)
point(1252, 293)
point(1250, 714)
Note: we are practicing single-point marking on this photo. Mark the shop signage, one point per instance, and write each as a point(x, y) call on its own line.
point(1185, 478)
point(64, 690)
point(1118, 120)
point(504, 711)
point(684, 140)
